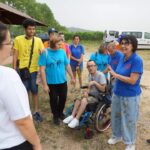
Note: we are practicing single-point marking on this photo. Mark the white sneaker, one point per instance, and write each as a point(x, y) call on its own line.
point(113, 141)
point(130, 147)
point(74, 123)
point(68, 119)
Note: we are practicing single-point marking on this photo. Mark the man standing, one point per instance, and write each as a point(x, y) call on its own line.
point(27, 49)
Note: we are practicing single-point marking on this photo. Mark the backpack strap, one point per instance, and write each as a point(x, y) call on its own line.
point(31, 53)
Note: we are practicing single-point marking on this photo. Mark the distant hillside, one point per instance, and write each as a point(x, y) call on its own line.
point(73, 29)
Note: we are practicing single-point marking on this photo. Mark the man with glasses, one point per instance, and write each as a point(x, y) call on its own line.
point(27, 49)
point(97, 84)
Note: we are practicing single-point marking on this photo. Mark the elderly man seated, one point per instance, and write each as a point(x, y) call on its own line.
point(97, 84)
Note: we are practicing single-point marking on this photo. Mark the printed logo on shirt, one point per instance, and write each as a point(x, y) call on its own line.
point(115, 62)
point(128, 66)
point(55, 62)
point(79, 49)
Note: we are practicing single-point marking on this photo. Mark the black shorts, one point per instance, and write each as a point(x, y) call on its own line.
point(24, 146)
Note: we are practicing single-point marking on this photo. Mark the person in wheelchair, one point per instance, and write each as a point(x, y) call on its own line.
point(97, 83)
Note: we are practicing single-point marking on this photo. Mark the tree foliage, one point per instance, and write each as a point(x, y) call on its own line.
point(91, 36)
point(36, 10)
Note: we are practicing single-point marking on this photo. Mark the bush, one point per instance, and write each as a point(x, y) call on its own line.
point(87, 36)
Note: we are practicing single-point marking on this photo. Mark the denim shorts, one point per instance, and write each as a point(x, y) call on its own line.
point(74, 68)
point(30, 84)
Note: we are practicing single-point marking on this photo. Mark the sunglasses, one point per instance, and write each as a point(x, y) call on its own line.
point(125, 43)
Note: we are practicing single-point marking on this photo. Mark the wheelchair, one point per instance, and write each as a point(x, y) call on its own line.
point(97, 113)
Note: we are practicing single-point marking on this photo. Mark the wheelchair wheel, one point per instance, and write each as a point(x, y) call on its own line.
point(102, 117)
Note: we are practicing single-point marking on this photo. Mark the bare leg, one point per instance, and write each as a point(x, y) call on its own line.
point(82, 108)
point(74, 74)
point(80, 78)
point(35, 102)
point(76, 107)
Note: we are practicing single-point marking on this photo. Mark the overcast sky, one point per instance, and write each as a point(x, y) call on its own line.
point(102, 14)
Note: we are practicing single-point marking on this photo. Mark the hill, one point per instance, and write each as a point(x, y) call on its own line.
point(74, 29)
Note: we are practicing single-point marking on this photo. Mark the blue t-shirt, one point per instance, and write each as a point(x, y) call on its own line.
point(114, 59)
point(55, 62)
point(134, 64)
point(76, 52)
point(101, 60)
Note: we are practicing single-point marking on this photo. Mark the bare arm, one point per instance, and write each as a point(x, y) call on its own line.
point(68, 68)
point(81, 59)
point(15, 58)
point(27, 129)
point(130, 80)
point(73, 58)
point(43, 77)
point(105, 71)
point(101, 87)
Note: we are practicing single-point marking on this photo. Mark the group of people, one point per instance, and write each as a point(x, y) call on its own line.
point(54, 58)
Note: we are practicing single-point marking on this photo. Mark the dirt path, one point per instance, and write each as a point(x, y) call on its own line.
point(63, 138)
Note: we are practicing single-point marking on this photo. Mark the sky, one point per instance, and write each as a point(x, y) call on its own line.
point(100, 15)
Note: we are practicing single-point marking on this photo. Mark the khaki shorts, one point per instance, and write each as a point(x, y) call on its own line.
point(78, 95)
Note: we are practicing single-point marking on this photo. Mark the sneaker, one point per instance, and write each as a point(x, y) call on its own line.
point(68, 119)
point(37, 117)
point(74, 123)
point(56, 121)
point(148, 141)
point(130, 147)
point(113, 141)
point(62, 117)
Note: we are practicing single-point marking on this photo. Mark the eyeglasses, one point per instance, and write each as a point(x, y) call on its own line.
point(8, 43)
point(90, 66)
point(125, 43)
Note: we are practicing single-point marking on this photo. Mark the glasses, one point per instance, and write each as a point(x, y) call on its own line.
point(125, 43)
point(8, 43)
point(91, 66)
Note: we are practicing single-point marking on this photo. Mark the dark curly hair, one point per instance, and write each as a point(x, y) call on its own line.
point(131, 39)
point(28, 22)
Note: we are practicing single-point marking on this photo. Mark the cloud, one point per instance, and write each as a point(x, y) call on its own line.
point(102, 14)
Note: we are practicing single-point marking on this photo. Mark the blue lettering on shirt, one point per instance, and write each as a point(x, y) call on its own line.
point(55, 62)
point(133, 64)
point(114, 59)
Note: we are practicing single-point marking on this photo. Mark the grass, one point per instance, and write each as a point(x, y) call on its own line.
point(63, 138)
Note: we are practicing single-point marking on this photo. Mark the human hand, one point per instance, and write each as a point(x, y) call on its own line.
point(114, 74)
point(42, 50)
point(91, 83)
point(85, 93)
point(46, 89)
point(72, 81)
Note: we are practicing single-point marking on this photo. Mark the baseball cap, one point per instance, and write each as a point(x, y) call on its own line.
point(120, 38)
point(51, 30)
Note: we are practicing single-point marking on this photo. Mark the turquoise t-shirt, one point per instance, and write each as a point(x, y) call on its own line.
point(55, 62)
point(101, 60)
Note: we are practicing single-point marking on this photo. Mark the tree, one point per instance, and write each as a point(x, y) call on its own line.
point(36, 10)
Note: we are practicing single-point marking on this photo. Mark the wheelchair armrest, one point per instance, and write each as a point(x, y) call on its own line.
point(84, 87)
